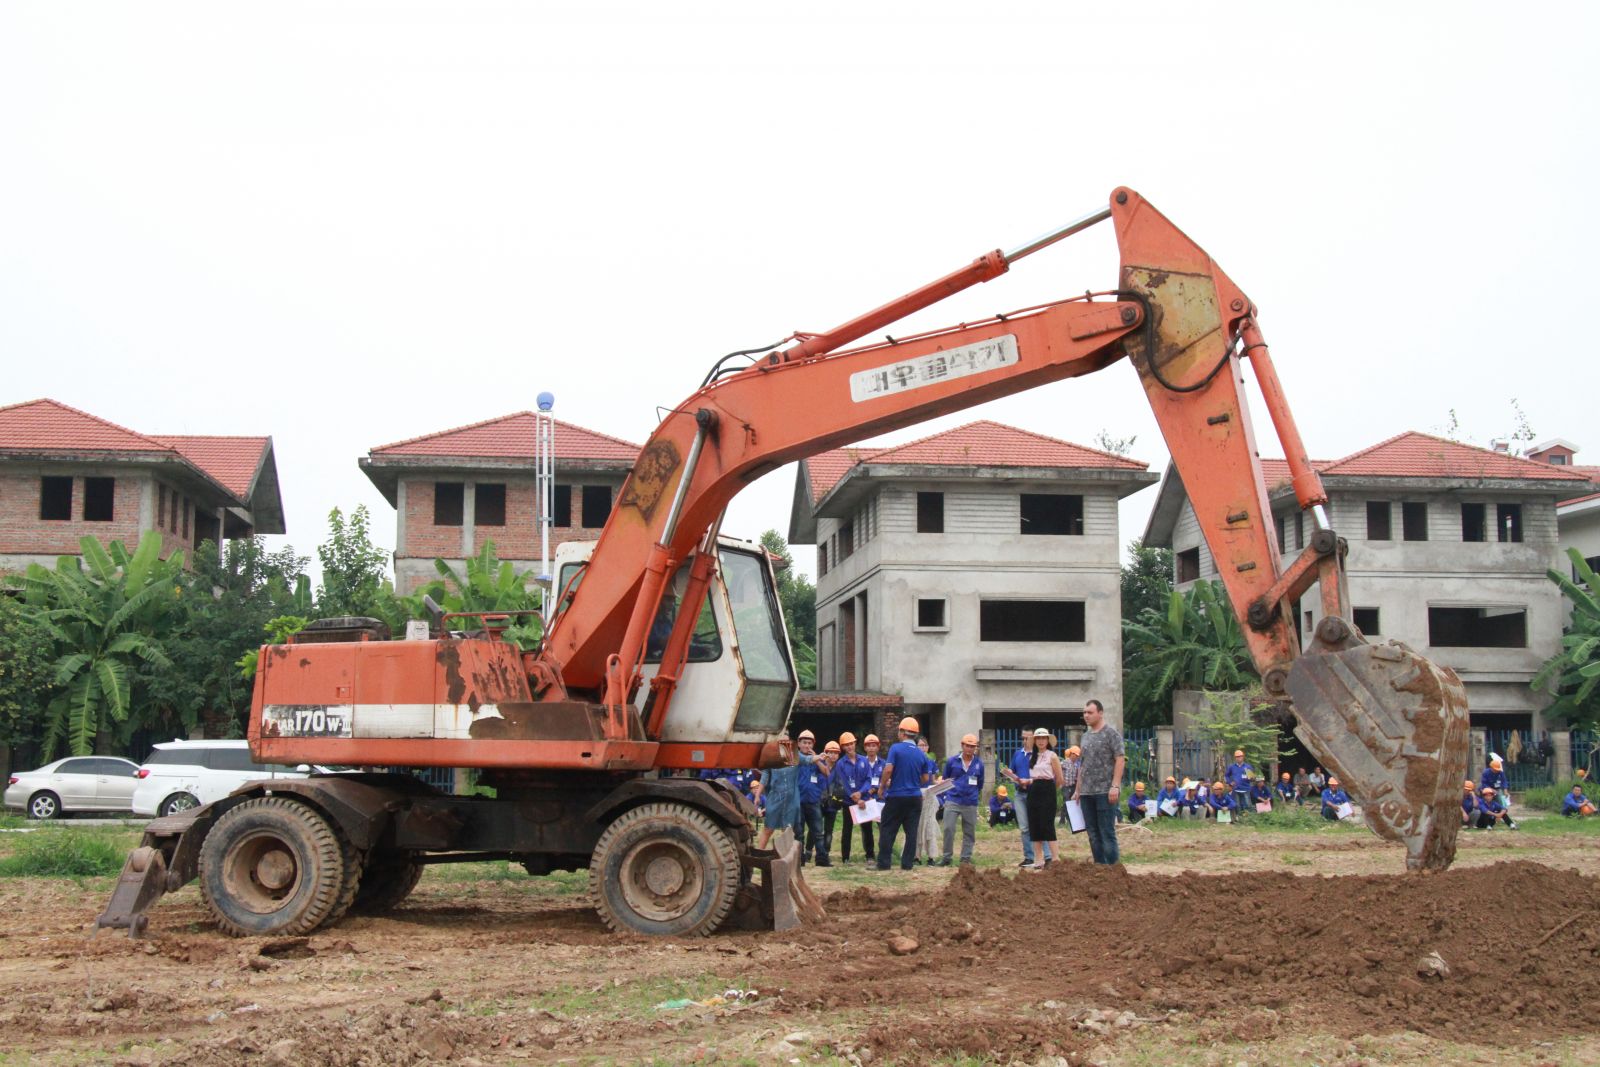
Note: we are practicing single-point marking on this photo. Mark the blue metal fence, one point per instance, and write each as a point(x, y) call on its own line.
point(1139, 751)
point(1194, 757)
point(1527, 765)
point(1586, 752)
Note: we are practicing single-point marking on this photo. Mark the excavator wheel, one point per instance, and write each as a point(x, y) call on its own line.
point(275, 866)
point(664, 869)
point(389, 877)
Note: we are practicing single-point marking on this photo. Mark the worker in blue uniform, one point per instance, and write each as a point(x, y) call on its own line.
point(1332, 796)
point(905, 771)
point(1237, 776)
point(852, 783)
point(1169, 791)
point(1575, 802)
point(1139, 805)
point(1001, 811)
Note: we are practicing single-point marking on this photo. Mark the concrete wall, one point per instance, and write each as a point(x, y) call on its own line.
point(980, 555)
point(1403, 579)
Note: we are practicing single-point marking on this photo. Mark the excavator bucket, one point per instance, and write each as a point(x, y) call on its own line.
point(783, 900)
point(1393, 727)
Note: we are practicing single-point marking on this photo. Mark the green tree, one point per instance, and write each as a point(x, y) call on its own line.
point(1572, 675)
point(487, 584)
point(25, 674)
point(1146, 579)
point(229, 596)
point(1194, 643)
point(1233, 720)
point(354, 570)
point(105, 613)
point(798, 598)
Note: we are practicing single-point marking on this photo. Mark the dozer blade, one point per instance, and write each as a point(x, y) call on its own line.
point(1393, 727)
point(783, 900)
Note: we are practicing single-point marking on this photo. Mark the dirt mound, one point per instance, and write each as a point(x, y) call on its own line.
point(1519, 946)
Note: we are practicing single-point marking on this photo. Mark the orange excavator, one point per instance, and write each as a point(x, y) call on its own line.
point(666, 649)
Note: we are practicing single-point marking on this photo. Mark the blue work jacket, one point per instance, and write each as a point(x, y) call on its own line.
point(1221, 802)
point(1332, 798)
point(1570, 804)
point(968, 780)
point(1138, 802)
point(1493, 779)
point(813, 784)
point(850, 776)
point(1238, 776)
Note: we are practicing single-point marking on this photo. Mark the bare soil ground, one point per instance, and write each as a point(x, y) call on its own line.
point(1214, 945)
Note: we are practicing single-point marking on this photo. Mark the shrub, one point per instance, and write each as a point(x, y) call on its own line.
point(1542, 798)
point(64, 854)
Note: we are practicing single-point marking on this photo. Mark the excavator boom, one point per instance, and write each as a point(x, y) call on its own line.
point(1390, 723)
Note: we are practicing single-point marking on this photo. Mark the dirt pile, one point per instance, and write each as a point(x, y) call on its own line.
point(1519, 945)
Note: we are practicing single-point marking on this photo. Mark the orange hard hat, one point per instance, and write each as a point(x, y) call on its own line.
point(872, 739)
point(969, 739)
point(1333, 781)
point(805, 734)
point(909, 725)
point(847, 738)
point(1001, 792)
point(1285, 774)
point(1238, 752)
point(1469, 785)
point(831, 746)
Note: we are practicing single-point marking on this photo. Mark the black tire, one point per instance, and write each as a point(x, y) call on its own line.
point(44, 805)
point(664, 869)
point(388, 879)
point(178, 802)
point(273, 866)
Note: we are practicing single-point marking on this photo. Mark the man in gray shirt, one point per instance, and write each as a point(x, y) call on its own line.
point(1100, 782)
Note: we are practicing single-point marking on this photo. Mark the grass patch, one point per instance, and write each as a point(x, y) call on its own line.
point(1542, 798)
point(558, 883)
point(65, 853)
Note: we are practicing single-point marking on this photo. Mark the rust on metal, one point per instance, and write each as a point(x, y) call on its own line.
point(647, 485)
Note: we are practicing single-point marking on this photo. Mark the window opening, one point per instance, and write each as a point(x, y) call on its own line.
point(55, 499)
point(489, 504)
point(1508, 523)
point(449, 503)
point(99, 499)
point(1047, 514)
point(1379, 520)
point(931, 613)
point(930, 513)
point(1031, 620)
point(596, 506)
point(1488, 627)
point(1472, 522)
point(1414, 520)
point(1188, 563)
point(1366, 620)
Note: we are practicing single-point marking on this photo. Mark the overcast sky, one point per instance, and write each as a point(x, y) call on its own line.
point(346, 224)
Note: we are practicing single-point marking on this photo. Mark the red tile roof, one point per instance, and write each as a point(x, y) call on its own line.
point(977, 444)
point(512, 437)
point(231, 461)
point(809, 699)
point(1420, 455)
point(49, 425)
point(1591, 473)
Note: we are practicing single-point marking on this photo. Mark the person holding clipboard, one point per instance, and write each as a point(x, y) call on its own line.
point(1044, 777)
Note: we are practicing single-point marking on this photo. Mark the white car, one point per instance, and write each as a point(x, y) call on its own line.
point(180, 775)
point(77, 783)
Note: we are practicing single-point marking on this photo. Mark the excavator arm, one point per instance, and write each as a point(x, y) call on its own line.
point(1391, 724)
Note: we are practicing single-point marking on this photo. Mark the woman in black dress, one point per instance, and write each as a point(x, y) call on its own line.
point(1044, 781)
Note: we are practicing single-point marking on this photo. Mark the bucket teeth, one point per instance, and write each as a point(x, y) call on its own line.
point(783, 900)
point(1392, 726)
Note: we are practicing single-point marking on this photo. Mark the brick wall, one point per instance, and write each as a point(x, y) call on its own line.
point(422, 537)
point(23, 532)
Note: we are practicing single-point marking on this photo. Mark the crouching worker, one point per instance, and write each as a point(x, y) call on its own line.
point(1221, 799)
point(1138, 804)
point(1492, 808)
point(1575, 803)
point(1169, 792)
point(1285, 787)
point(1001, 811)
point(1333, 797)
point(1191, 806)
point(1469, 803)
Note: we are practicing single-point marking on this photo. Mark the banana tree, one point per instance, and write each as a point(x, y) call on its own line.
point(102, 611)
point(1195, 643)
point(1572, 675)
point(488, 584)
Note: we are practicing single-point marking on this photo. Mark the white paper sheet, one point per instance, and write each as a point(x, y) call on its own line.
point(1263, 805)
point(1075, 817)
point(1344, 811)
point(873, 812)
point(1169, 807)
point(1224, 815)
